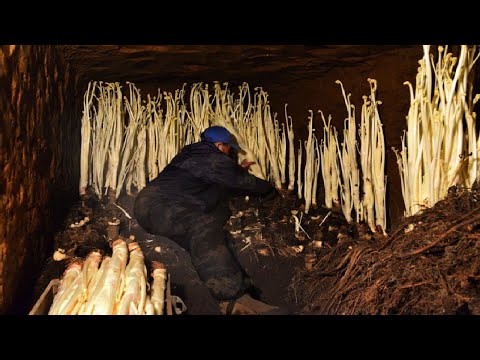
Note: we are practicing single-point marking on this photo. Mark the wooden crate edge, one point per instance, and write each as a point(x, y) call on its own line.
point(45, 300)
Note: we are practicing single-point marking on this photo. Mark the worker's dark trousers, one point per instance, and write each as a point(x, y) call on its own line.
point(203, 235)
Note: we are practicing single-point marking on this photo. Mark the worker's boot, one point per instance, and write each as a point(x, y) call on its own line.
point(246, 305)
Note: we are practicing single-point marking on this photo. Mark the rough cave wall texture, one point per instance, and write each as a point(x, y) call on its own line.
point(39, 150)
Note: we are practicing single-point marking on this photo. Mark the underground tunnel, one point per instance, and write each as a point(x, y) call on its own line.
point(42, 99)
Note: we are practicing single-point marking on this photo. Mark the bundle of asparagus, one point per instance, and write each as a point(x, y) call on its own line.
point(114, 285)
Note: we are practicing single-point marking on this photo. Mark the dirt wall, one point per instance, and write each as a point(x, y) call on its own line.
point(39, 152)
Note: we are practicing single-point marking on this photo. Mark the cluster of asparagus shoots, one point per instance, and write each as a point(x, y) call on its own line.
point(440, 145)
point(357, 186)
point(127, 141)
point(125, 144)
point(114, 285)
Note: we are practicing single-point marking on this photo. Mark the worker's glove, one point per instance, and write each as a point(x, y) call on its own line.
point(269, 197)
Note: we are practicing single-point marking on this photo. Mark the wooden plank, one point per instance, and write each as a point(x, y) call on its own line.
point(42, 306)
point(168, 297)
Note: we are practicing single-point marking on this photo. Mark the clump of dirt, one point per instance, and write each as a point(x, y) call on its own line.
point(428, 264)
point(273, 250)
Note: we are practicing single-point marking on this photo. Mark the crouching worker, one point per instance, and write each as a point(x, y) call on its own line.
point(188, 203)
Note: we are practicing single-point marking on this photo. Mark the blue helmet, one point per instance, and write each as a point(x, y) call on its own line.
point(219, 134)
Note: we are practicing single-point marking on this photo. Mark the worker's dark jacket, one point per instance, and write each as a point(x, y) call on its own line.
point(201, 176)
point(188, 203)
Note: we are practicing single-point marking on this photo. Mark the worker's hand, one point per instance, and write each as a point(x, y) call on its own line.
point(269, 198)
point(246, 164)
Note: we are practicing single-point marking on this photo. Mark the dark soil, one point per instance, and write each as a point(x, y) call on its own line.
point(428, 264)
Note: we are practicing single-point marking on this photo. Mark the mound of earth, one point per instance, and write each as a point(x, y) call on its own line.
point(429, 264)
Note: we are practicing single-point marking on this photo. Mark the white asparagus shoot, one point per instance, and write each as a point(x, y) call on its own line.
point(103, 301)
point(291, 151)
point(329, 162)
point(134, 295)
point(70, 275)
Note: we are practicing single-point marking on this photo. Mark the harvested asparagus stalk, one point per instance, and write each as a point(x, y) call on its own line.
point(159, 275)
point(134, 296)
point(72, 272)
point(93, 287)
point(149, 309)
point(104, 301)
point(78, 295)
